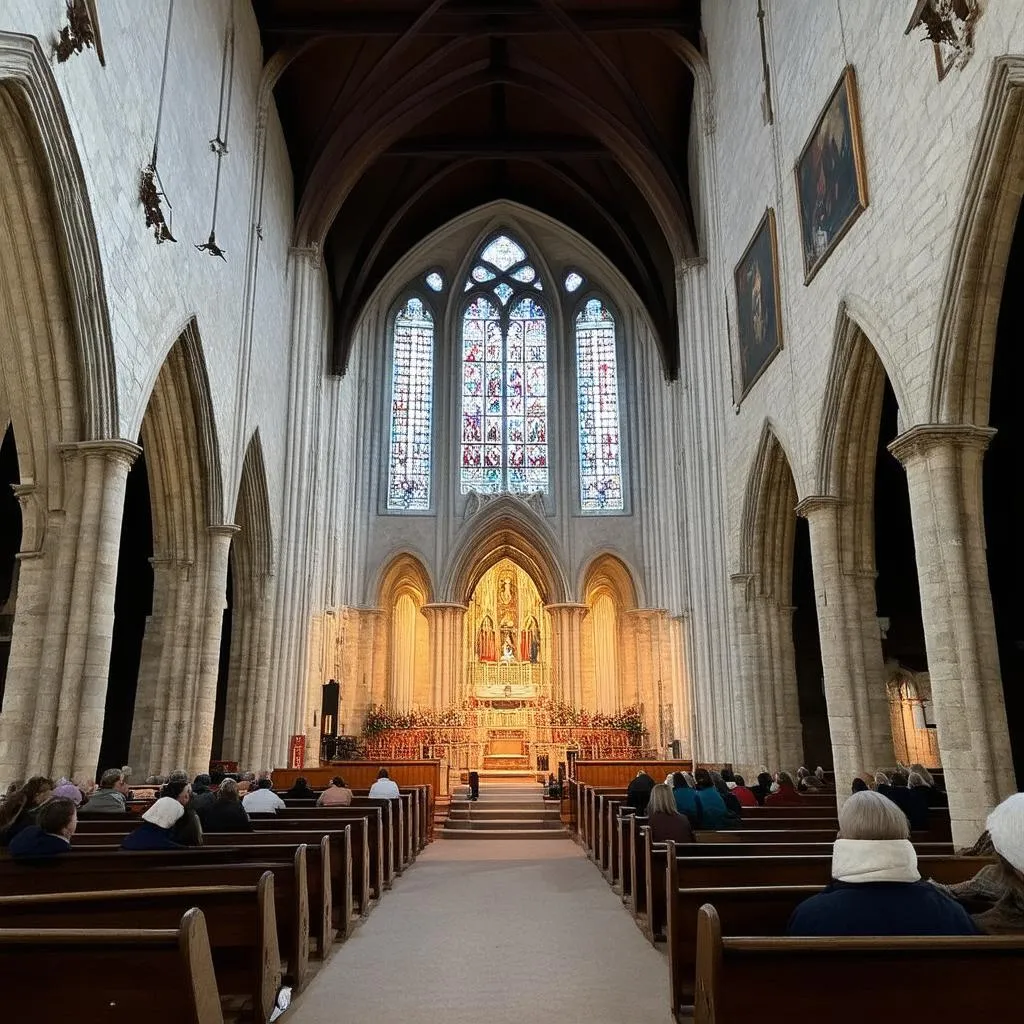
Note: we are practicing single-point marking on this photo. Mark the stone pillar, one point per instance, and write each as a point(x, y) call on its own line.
point(752, 745)
point(90, 619)
point(446, 623)
point(196, 756)
point(943, 464)
point(566, 620)
point(683, 695)
point(851, 649)
point(645, 627)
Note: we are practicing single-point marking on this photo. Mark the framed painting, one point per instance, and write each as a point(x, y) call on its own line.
point(831, 184)
point(758, 307)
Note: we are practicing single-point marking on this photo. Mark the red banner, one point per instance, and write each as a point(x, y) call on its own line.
point(297, 752)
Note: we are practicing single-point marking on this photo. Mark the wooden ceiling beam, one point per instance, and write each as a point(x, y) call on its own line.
point(525, 147)
point(481, 21)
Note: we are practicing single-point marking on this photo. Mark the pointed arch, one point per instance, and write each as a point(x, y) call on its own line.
point(973, 288)
point(403, 573)
point(31, 108)
point(768, 522)
point(608, 572)
point(404, 592)
point(505, 527)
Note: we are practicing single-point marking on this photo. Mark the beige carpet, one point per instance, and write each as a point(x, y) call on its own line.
point(500, 932)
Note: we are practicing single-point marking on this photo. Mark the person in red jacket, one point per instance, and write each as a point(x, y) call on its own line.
point(786, 795)
point(744, 795)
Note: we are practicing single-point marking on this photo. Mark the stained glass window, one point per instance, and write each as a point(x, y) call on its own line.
point(572, 281)
point(435, 281)
point(504, 439)
point(598, 398)
point(412, 386)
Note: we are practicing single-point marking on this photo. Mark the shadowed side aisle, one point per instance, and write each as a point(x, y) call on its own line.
point(503, 931)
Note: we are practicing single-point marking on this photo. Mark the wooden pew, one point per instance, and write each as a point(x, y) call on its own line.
point(755, 909)
point(329, 874)
point(656, 856)
point(120, 976)
point(240, 921)
point(107, 871)
point(610, 845)
point(850, 980)
point(625, 867)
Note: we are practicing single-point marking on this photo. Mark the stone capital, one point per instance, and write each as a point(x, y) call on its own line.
point(924, 438)
point(441, 605)
point(114, 449)
point(816, 503)
point(223, 530)
point(311, 253)
point(692, 263)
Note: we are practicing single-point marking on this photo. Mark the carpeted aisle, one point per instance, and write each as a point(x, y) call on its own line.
point(499, 932)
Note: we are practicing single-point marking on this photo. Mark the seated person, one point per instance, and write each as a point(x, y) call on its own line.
point(21, 805)
point(51, 835)
point(263, 799)
point(762, 788)
point(638, 792)
point(385, 788)
point(933, 795)
point(187, 830)
point(337, 794)
point(997, 890)
point(912, 802)
point(732, 804)
point(687, 800)
point(664, 819)
point(111, 795)
point(714, 813)
point(67, 790)
point(155, 831)
point(226, 813)
point(202, 793)
point(743, 795)
point(786, 795)
point(300, 790)
point(876, 887)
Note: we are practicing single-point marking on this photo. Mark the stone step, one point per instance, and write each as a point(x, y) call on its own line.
point(478, 813)
point(503, 833)
point(461, 824)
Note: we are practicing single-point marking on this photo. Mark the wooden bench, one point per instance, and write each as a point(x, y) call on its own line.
point(120, 976)
point(941, 980)
point(240, 921)
point(108, 871)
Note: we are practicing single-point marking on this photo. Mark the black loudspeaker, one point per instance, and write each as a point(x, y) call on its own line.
point(677, 750)
point(329, 701)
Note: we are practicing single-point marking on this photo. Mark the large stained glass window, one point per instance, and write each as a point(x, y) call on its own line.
point(504, 441)
point(412, 393)
point(598, 390)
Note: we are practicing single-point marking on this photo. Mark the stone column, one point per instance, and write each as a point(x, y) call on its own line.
point(251, 741)
point(446, 654)
point(752, 745)
point(566, 620)
point(851, 649)
point(204, 698)
point(646, 631)
point(90, 622)
point(943, 464)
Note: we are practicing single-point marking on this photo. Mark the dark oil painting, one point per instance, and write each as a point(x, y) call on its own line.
point(759, 316)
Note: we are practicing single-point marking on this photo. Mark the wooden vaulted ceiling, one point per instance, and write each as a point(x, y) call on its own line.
point(402, 114)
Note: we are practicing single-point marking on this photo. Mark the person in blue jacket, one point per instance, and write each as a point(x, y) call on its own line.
point(687, 801)
point(155, 831)
point(714, 813)
point(876, 888)
point(51, 835)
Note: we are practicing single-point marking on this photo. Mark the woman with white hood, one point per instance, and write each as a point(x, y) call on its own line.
point(155, 831)
point(876, 888)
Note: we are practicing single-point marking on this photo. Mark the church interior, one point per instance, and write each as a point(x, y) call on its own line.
point(566, 454)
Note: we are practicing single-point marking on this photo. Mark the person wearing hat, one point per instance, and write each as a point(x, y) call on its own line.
point(155, 831)
point(1002, 883)
point(68, 791)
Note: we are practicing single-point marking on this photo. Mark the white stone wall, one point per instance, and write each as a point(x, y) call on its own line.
point(152, 290)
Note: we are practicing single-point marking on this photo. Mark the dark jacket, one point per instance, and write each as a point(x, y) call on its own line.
point(689, 803)
point(933, 797)
point(34, 842)
point(201, 800)
point(881, 908)
point(912, 802)
point(670, 826)
point(24, 820)
point(188, 830)
point(150, 837)
point(225, 816)
point(761, 793)
point(638, 792)
point(299, 793)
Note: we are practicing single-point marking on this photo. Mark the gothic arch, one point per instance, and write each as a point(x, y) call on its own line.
point(69, 258)
point(505, 527)
point(973, 288)
point(248, 687)
point(608, 572)
point(404, 592)
point(850, 418)
point(404, 573)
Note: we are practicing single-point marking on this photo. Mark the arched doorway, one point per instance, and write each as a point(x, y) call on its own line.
point(406, 682)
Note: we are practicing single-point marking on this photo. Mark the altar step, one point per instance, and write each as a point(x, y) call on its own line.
point(503, 811)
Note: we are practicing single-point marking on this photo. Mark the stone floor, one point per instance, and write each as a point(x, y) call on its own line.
point(503, 932)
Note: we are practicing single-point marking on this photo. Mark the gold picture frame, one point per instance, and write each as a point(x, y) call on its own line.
point(831, 182)
point(758, 303)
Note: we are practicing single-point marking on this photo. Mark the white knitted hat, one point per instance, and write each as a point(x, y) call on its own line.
point(164, 813)
point(1006, 827)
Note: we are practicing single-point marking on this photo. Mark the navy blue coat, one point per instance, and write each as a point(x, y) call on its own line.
point(34, 842)
point(881, 908)
point(150, 837)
